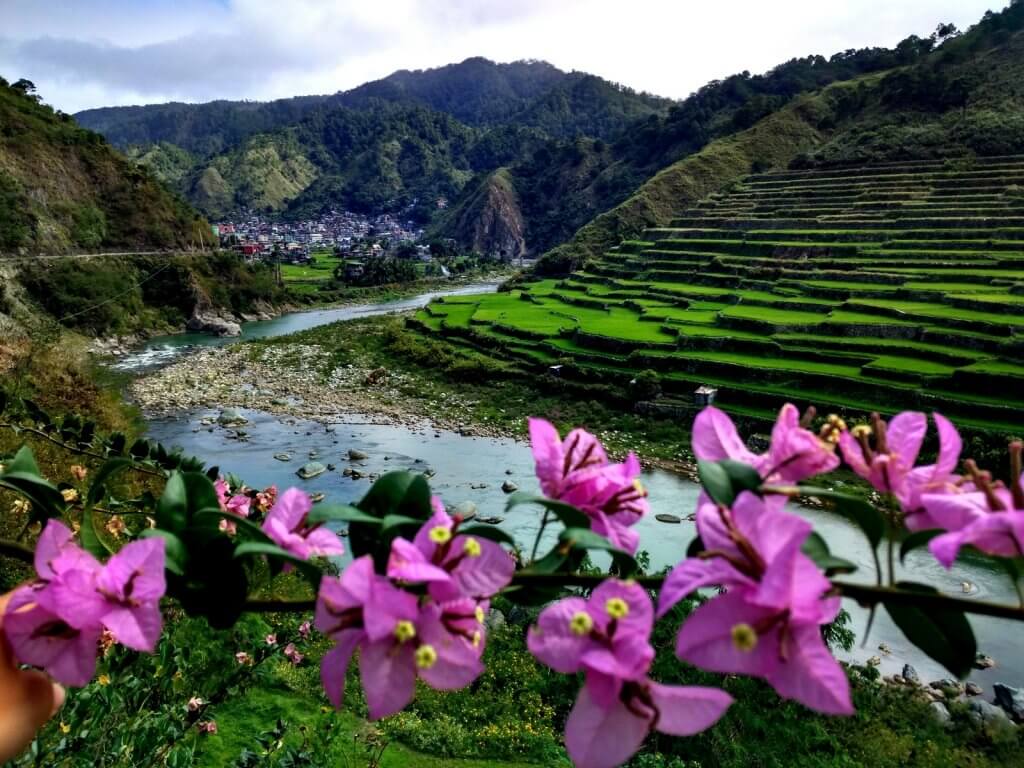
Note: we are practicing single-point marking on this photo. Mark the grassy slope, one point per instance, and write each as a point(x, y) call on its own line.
point(64, 187)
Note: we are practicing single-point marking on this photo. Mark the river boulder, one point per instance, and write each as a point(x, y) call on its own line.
point(231, 417)
point(1011, 700)
point(310, 470)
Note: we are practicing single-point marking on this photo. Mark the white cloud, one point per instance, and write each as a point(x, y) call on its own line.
point(98, 52)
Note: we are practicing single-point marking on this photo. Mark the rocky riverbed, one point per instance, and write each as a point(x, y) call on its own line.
point(300, 380)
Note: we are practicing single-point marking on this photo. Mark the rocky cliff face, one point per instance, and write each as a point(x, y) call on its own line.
point(490, 220)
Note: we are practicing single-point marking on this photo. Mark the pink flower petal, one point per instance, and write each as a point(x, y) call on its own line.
point(335, 662)
point(706, 641)
point(596, 737)
point(137, 627)
point(407, 563)
point(388, 672)
point(904, 435)
point(552, 640)
point(715, 438)
point(687, 710)
point(811, 675)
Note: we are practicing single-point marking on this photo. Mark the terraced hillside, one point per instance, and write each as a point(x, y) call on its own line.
point(871, 287)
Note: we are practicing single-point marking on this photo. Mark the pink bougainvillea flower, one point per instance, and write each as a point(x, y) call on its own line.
point(577, 472)
point(984, 515)
point(768, 623)
point(288, 525)
point(399, 640)
point(293, 654)
point(237, 504)
point(304, 629)
point(339, 615)
point(42, 639)
point(242, 657)
point(454, 565)
point(210, 726)
point(132, 583)
point(608, 638)
point(888, 462)
point(56, 623)
point(932, 478)
point(270, 639)
point(614, 499)
point(561, 462)
point(795, 453)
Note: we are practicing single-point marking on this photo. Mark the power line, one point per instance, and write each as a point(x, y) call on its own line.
point(116, 296)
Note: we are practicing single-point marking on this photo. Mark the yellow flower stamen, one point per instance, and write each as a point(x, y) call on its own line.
point(404, 631)
point(861, 430)
point(472, 547)
point(581, 623)
point(639, 487)
point(69, 494)
point(617, 608)
point(477, 637)
point(64, 727)
point(103, 680)
point(426, 656)
point(479, 613)
point(440, 535)
point(744, 637)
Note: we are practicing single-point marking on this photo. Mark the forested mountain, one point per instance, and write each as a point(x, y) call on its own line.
point(64, 187)
point(526, 153)
point(477, 92)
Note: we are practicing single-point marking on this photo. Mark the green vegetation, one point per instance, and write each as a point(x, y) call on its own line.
point(62, 187)
point(121, 295)
point(817, 315)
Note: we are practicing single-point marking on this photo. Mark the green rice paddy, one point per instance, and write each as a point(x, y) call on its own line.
point(856, 289)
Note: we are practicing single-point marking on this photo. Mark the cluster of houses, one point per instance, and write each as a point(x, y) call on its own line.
point(258, 238)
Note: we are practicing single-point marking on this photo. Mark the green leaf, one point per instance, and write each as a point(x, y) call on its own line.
point(944, 636)
point(696, 547)
point(742, 476)
point(398, 521)
point(817, 549)
point(110, 468)
point(115, 443)
point(917, 540)
point(176, 555)
point(861, 512)
point(716, 482)
point(280, 557)
point(584, 538)
point(21, 475)
point(91, 541)
point(340, 513)
point(200, 492)
point(172, 509)
point(566, 513)
point(489, 532)
point(140, 448)
point(550, 563)
point(386, 494)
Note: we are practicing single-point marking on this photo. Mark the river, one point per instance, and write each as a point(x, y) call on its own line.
point(161, 350)
point(474, 468)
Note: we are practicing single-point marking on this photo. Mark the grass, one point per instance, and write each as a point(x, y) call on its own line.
point(321, 270)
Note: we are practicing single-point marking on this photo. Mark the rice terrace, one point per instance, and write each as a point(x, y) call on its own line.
point(885, 286)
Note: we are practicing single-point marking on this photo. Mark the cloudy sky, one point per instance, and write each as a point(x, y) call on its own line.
point(90, 53)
